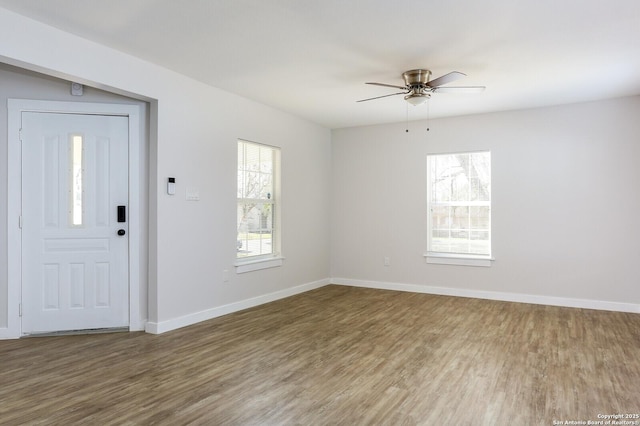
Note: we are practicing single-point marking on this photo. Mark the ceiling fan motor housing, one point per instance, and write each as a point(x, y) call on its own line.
point(416, 77)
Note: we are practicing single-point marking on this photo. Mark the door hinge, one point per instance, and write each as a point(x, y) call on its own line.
point(20, 135)
point(20, 309)
point(20, 221)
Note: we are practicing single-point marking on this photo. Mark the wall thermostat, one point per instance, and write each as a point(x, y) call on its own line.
point(171, 186)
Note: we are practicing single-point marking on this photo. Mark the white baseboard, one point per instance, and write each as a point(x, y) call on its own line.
point(175, 323)
point(494, 295)
point(8, 333)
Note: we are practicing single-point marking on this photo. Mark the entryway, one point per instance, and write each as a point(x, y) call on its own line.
point(74, 233)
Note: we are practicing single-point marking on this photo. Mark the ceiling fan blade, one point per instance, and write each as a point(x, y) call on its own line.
point(464, 89)
point(447, 78)
point(383, 96)
point(389, 85)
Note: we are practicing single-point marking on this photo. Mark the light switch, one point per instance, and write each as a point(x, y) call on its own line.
point(193, 194)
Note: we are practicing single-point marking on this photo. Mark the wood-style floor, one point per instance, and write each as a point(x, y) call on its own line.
point(339, 356)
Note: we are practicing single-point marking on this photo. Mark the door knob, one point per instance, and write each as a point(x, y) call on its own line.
point(121, 232)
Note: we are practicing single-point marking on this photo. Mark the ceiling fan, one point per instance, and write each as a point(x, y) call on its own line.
point(418, 88)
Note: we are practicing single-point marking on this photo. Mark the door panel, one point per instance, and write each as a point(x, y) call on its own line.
point(75, 265)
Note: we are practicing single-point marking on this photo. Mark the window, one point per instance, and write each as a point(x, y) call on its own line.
point(459, 208)
point(76, 169)
point(257, 193)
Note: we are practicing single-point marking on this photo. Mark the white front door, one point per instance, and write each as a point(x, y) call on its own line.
point(74, 222)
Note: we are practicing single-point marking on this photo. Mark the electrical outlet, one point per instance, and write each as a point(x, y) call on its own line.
point(387, 261)
point(225, 276)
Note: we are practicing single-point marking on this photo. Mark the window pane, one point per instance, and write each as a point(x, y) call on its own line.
point(241, 184)
point(251, 184)
point(441, 219)
point(266, 160)
point(266, 186)
point(480, 218)
point(480, 170)
point(76, 180)
point(251, 157)
point(255, 230)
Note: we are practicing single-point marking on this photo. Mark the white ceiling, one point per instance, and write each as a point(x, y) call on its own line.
point(311, 57)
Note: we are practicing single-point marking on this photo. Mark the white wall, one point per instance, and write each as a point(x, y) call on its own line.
point(194, 129)
point(565, 204)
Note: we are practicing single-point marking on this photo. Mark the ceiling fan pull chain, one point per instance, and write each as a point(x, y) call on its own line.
point(407, 126)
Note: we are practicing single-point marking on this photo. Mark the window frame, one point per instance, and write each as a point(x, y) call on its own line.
point(450, 258)
point(274, 258)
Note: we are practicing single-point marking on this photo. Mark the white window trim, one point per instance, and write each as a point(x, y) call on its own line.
point(457, 259)
point(258, 263)
point(273, 260)
point(461, 259)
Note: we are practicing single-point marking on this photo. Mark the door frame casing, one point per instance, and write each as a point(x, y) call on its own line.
point(14, 203)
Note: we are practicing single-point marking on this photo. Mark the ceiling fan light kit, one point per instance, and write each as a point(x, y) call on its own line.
point(418, 86)
point(417, 99)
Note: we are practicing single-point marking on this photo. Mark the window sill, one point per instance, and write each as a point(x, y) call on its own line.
point(458, 259)
point(243, 266)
